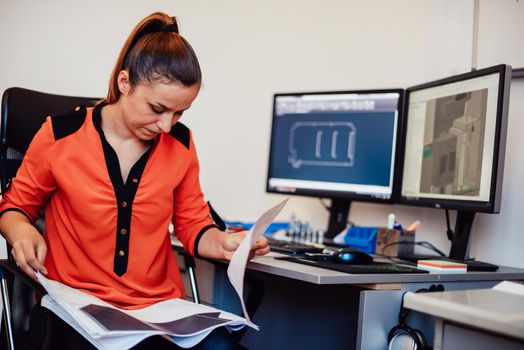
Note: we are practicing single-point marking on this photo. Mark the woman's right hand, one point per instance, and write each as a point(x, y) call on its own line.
point(29, 249)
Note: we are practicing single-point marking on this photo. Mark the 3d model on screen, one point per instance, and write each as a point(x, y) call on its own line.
point(453, 144)
point(322, 143)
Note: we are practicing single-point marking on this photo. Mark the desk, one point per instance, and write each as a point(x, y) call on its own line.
point(306, 307)
point(376, 296)
point(473, 319)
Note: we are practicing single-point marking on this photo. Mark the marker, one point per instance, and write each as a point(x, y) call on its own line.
point(391, 221)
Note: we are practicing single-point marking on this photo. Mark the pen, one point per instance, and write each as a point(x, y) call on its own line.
point(413, 226)
point(398, 226)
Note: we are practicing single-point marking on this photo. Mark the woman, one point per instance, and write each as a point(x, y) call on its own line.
point(113, 177)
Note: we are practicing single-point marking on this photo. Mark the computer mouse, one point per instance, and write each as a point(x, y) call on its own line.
point(351, 256)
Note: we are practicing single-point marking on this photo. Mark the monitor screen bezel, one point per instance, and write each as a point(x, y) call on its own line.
point(340, 194)
point(493, 204)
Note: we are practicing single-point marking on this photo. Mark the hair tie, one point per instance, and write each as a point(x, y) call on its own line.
point(172, 28)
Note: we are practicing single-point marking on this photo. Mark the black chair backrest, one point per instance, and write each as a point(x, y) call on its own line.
point(23, 112)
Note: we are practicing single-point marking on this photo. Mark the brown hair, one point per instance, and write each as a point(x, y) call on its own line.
point(155, 51)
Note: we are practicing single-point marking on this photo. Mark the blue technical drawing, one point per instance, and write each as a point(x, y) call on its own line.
point(322, 143)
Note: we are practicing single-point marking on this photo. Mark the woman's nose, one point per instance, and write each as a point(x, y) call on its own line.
point(165, 122)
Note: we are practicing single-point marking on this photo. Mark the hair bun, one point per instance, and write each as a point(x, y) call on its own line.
point(173, 28)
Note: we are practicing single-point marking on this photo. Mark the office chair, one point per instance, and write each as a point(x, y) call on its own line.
point(23, 112)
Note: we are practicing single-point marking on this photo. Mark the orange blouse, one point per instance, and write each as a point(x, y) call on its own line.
point(105, 237)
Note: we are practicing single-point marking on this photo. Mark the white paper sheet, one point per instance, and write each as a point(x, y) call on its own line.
point(67, 302)
point(237, 266)
point(510, 287)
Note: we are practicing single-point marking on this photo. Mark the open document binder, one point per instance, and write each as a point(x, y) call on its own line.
point(182, 322)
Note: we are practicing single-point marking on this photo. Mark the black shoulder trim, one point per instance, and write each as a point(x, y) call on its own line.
point(69, 122)
point(181, 132)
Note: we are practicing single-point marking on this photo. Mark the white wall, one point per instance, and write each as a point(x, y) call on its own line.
point(251, 49)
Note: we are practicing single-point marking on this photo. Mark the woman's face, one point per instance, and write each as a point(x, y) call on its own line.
point(152, 108)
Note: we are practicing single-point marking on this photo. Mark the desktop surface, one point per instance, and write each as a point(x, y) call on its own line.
point(274, 265)
point(371, 268)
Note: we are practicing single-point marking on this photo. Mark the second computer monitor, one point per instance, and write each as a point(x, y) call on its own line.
point(455, 139)
point(338, 145)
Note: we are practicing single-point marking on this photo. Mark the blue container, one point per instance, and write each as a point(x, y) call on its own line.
point(273, 227)
point(362, 238)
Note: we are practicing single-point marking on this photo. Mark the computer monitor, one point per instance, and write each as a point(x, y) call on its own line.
point(336, 145)
point(454, 144)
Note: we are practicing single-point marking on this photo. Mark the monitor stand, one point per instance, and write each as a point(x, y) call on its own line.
point(459, 246)
point(338, 217)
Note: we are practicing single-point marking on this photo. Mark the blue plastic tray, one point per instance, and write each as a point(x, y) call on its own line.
point(362, 237)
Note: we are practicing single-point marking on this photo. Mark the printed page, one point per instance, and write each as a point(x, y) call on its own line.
point(237, 266)
point(113, 319)
point(107, 343)
point(108, 327)
point(118, 341)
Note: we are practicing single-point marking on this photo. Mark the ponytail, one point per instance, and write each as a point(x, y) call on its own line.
point(155, 51)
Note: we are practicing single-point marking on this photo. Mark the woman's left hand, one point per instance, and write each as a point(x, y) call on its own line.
point(232, 241)
point(216, 244)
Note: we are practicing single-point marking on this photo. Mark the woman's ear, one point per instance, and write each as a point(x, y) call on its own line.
point(124, 84)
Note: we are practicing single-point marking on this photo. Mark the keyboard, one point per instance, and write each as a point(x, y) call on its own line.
point(374, 268)
point(291, 247)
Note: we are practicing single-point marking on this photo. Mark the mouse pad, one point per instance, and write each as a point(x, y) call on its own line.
point(375, 268)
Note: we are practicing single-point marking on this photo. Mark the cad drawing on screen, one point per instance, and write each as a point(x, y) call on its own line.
point(322, 143)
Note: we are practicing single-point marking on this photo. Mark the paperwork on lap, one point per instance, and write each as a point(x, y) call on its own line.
point(108, 327)
point(182, 322)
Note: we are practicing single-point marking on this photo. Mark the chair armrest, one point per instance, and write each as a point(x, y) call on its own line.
point(8, 267)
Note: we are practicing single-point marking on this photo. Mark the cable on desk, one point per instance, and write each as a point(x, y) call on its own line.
point(449, 231)
point(424, 244)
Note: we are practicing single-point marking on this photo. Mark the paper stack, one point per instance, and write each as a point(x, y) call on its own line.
point(442, 266)
point(107, 327)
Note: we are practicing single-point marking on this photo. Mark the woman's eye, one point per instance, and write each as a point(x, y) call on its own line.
point(156, 110)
